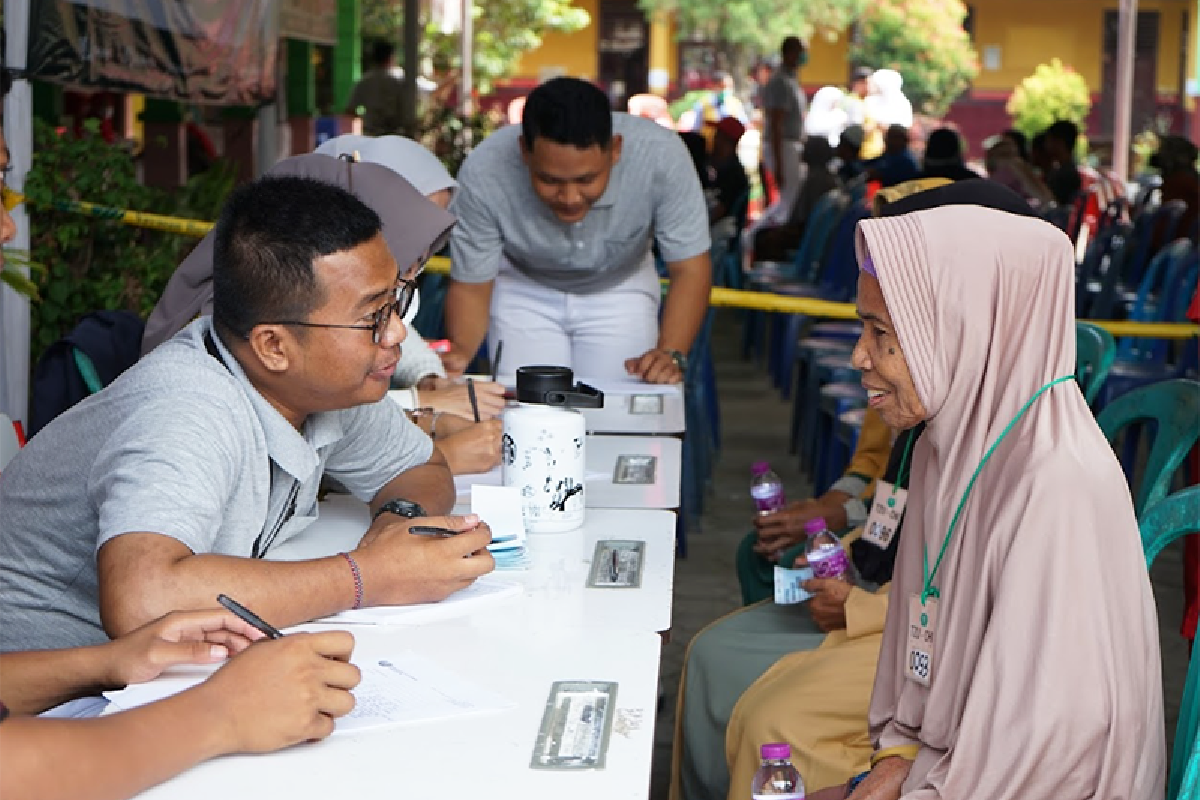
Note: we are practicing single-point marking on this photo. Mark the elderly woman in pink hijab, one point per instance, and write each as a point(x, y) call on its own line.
point(1020, 656)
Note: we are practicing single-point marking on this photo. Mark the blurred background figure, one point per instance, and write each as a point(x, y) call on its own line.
point(827, 116)
point(944, 157)
point(885, 105)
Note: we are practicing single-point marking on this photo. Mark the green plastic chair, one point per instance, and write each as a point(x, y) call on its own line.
point(1095, 350)
point(1175, 406)
point(1163, 523)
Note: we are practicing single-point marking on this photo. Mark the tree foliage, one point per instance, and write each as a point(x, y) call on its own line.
point(504, 30)
point(758, 24)
point(1051, 93)
point(925, 42)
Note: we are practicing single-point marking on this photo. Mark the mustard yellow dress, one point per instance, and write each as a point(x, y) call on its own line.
point(765, 673)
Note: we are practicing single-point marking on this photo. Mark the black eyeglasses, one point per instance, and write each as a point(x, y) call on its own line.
point(405, 291)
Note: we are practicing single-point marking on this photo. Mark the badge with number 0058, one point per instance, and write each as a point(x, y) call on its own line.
point(922, 622)
point(886, 510)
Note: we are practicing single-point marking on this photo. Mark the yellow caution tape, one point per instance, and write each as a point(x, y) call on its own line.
point(720, 297)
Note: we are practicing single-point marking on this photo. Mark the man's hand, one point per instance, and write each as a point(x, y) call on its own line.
point(654, 366)
point(456, 360)
point(474, 449)
point(181, 637)
point(452, 397)
point(400, 568)
point(828, 603)
point(283, 692)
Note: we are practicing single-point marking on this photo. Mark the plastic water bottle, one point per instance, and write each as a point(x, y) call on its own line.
point(824, 552)
point(766, 488)
point(777, 779)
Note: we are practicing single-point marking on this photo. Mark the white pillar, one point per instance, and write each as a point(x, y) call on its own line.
point(18, 133)
point(1123, 108)
point(468, 58)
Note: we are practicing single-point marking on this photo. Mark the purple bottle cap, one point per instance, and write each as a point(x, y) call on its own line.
point(776, 751)
point(815, 525)
point(760, 468)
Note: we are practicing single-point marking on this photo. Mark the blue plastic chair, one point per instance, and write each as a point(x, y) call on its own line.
point(1163, 296)
point(1174, 408)
point(1161, 524)
point(1095, 350)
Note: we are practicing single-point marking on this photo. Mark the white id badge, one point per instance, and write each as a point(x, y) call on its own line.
point(788, 590)
point(922, 622)
point(886, 510)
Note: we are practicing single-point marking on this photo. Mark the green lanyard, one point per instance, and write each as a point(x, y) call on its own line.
point(929, 589)
point(904, 462)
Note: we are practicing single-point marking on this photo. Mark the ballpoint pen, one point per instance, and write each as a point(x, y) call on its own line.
point(474, 402)
point(496, 360)
point(616, 568)
point(433, 530)
point(249, 617)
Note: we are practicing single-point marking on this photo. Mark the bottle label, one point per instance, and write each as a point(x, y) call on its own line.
point(829, 563)
point(788, 796)
point(768, 497)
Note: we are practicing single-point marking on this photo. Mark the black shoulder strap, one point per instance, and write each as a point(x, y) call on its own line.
point(211, 346)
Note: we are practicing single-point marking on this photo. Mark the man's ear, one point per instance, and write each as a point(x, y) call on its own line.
point(273, 346)
point(525, 154)
point(617, 141)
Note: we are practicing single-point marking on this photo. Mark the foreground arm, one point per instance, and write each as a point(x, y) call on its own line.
point(35, 680)
point(274, 695)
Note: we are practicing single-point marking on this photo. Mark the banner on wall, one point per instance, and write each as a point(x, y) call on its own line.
point(193, 51)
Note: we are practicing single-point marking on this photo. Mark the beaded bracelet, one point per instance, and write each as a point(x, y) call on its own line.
point(358, 584)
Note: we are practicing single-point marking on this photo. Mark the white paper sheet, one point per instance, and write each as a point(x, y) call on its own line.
point(398, 690)
point(482, 592)
point(500, 508)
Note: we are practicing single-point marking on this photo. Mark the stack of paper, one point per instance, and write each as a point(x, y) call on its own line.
point(500, 508)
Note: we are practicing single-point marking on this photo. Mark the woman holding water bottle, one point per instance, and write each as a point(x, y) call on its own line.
point(991, 683)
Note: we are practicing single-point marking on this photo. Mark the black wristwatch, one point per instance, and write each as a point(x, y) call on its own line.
point(401, 508)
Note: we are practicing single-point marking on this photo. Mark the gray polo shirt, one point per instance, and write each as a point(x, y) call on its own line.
point(182, 446)
point(653, 194)
point(783, 93)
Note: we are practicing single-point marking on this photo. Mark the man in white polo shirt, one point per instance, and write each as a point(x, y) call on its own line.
point(552, 252)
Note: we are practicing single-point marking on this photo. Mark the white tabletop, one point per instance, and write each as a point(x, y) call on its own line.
point(555, 594)
point(621, 402)
point(618, 414)
point(602, 491)
point(478, 756)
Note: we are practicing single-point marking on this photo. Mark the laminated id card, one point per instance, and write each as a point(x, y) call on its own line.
point(886, 511)
point(922, 625)
point(575, 726)
point(645, 404)
point(636, 469)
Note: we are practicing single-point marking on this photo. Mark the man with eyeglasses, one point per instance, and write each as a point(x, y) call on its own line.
point(177, 481)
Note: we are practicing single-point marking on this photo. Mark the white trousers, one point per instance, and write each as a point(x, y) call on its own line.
point(779, 211)
point(592, 334)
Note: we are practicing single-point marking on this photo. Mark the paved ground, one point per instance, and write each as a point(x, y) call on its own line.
point(755, 424)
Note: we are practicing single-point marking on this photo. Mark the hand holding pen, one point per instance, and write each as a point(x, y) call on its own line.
point(399, 567)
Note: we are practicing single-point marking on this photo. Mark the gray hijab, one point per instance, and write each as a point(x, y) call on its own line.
point(412, 226)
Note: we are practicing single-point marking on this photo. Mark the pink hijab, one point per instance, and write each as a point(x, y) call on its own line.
point(1046, 681)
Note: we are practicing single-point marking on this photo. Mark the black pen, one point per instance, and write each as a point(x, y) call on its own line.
point(433, 530)
point(616, 568)
point(496, 360)
point(249, 616)
point(474, 402)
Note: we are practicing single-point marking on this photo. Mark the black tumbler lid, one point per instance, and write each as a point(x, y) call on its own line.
point(555, 386)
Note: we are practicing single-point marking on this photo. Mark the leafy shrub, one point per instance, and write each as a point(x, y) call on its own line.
point(1051, 93)
point(91, 263)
